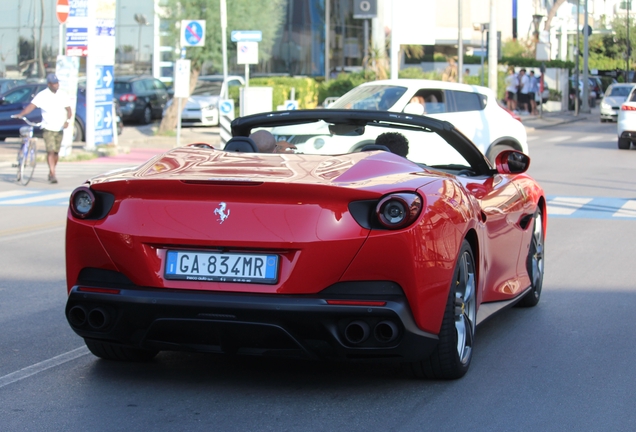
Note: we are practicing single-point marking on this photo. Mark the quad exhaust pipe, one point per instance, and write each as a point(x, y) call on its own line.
point(96, 318)
point(358, 331)
point(385, 331)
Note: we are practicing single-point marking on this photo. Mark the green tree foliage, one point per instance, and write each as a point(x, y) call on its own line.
point(264, 15)
point(607, 51)
point(514, 48)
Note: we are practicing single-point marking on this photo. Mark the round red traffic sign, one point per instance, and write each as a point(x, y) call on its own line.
point(61, 10)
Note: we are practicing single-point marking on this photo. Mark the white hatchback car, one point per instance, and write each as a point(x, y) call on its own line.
point(613, 98)
point(627, 121)
point(471, 109)
point(201, 109)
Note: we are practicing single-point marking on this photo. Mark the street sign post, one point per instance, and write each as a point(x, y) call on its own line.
point(61, 11)
point(181, 89)
point(246, 36)
point(247, 54)
point(192, 33)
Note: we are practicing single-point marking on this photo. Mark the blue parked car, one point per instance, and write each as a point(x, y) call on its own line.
point(14, 101)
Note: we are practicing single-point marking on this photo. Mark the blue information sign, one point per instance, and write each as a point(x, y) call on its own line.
point(104, 104)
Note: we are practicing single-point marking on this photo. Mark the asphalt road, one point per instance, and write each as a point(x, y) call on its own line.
point(565, 365)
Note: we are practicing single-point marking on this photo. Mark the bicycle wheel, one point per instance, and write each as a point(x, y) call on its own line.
point(27, 167)
point(21, 153)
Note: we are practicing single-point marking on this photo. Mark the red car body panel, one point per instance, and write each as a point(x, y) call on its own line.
point(298, 207)
point(133, 240)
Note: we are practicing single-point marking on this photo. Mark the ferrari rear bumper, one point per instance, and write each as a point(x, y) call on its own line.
point(318, 327)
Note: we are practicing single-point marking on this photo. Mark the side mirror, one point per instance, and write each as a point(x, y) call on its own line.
point(414, 108)
point(512, 162)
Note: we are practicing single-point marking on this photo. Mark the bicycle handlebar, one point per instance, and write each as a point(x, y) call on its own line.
point(27, 121)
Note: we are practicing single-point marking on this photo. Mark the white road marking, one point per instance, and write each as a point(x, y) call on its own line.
point(558, 138)
point(566, 205)
point(598, 138)
point(29, 200)
point(42, 366)
point(627, 210)
point(12, 193)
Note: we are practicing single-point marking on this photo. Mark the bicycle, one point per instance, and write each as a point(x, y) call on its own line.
point(27, 154)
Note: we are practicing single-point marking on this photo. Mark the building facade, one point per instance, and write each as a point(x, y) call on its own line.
point(315, 38)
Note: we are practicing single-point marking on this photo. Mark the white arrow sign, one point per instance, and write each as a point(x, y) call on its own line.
point(108, 78)
point(108, 119)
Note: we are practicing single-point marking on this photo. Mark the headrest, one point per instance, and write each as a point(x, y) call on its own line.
point(373, 147)
point(241, 144)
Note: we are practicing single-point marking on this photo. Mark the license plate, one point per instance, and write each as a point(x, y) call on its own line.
point(221, 267)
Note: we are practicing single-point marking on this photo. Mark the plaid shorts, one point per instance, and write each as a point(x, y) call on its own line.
point(52, 140)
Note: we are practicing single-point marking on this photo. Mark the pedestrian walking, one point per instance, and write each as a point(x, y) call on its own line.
point(534, 90)
point(56, 115)
point(522, 92)
point(511, 89)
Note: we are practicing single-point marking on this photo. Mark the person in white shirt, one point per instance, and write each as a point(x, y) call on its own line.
point(524, 89)
point(56, 115)
point(511, 89)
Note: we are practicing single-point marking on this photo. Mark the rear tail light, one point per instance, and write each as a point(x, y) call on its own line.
point(128, 97)
point(82, 202)
point(398, 210)
point(628, 108)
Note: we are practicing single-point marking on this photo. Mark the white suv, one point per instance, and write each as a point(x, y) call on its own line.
point(471, 109)
point(627, 122)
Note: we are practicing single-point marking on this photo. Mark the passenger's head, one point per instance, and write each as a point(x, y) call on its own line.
point(264, 140)
point(394, 141)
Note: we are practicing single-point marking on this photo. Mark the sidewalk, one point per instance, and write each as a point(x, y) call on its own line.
point(550, 119)
point(135, 145)
point(139, 143)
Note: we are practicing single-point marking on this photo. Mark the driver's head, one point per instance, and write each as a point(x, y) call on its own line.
point(264, 140)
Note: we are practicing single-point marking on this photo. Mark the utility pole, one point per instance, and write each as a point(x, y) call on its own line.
point(576, 60)
point(460, 44)
point(492, 48)
point(627, 55)
point(586, 87)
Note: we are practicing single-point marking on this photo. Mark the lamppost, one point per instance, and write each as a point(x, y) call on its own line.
point(141, 20)
point(483, 27)
point(536, 21)
point(628, 51)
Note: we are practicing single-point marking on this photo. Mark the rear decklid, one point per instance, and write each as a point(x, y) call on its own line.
point(294, 207)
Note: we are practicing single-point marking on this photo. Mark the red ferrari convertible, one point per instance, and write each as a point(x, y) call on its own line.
point(338, 249)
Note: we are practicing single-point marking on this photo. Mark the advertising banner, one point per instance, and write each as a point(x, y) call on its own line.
point(77, 28)
point(101, 125)
point(67, 71)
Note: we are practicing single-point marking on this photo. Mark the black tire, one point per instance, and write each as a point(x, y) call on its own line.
point(535, 262)
point(109, 351)
point(146, 115)
point(624, 143)
point(453, 353)
point(603, 120)
point(493, 151)
point(78, 131)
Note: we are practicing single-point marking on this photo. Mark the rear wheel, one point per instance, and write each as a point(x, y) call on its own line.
point(454, 351)
point(146, 116)
point(624, 143)
point(535, 262)
point(109, 351)
point(78, 131)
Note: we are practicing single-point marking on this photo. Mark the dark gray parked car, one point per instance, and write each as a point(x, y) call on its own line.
point(141, 98)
